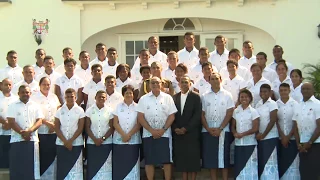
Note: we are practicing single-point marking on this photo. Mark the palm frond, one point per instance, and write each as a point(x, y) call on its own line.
point(312, 72)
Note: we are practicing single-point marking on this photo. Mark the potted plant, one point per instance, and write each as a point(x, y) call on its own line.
point(312, 72)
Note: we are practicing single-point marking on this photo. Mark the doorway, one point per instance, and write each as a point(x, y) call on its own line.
point(174, 43)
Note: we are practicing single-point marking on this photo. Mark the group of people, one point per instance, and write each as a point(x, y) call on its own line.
point(193, 109)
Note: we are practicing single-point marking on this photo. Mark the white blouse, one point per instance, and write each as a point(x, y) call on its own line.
point(234, 85)
point(285, 114)
point(255, 89)
point(276, 85)
point(202, 85)
point(113, 100)
point(296, 93)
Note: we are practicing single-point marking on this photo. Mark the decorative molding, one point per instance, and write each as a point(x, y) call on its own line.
point(240, 2)
point(112, 6)
point(176, 4)
point(144, 5)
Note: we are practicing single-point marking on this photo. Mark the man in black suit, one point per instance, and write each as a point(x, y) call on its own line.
point(186, 130)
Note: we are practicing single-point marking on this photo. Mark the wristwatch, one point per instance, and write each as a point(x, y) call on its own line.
point(221, 128)
point(164, 127)
point(104, 138)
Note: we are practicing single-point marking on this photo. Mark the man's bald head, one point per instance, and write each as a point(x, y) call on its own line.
point(307, 90)
point(6, 85)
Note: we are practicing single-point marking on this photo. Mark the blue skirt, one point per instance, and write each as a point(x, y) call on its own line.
point(216, 150)
point(99, 162)
point(288, 159)
point(48, 153)
point(157, 151)
point(128, 153)
point(310, 163)
point(246, 162)
point(268, 159)
point(4, 151)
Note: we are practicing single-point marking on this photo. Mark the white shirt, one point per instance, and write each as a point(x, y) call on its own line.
point(219, 61)
point(53, 78)
point(14, 74)
point(100, 119)
point(296, 93)
point(127, 116)
point(203, 86)
point(285, 114)
point(234, 85)
point(244, 118)
point(113, 100)
point(83, 74)
point(38, 70)
point(215, 106)
point(159, 56)
point(273, 66)
point(91, 90)
point(269, 74)
point(255, 89)
point(196, 72)
point(183, 99)
point(97, 61)
point(306, 114)
point(49, 106)
point(109, 70)
point(4, 104)
point(60, 69)
point(34, 86)
point(245, 62)
point(264, 110)
point(120, 84)
point(276, 84)
point(241, 71)
point(25, 116)
point(64, 83)
point(156, 111)
point(69, 119)
point(135, 75)
point(188, 58)
point(168, 74)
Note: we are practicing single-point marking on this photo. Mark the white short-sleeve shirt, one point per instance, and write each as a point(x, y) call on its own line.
point(25, 116)
point(156, 111)
point(127, 116)
point(97, 61)
point(233, 86)
point(168, 74)
point(4, 104)
point(38, 70)
point(69, 119)
point(276, 85)
point(91, 90)
point(64, 83)
point(109, 70)
point(14, 74)
point(83, 74)
point(49, 106)
point(306, 114)
point(255, 89)
point(264, 110)
point(296, 93)
point(53, 78)
point(269, 74)
point(196, 72)
point(34, 86)
point(219, 61)
point(120, 84)
point(247, 63)
point(244, 118)
point(215, 106)
point(203, 86)
point(100, 119)
point(241, 71)
point(113, 100)
point(188, 58)
point(135, 75)
point(285, 114)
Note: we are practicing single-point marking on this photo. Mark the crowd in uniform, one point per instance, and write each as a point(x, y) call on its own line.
point(191, 109)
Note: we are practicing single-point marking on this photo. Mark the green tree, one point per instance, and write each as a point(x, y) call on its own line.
point(312, 72)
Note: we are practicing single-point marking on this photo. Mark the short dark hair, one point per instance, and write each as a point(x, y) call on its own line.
point(172, 53)
point(109, 77)
point(68, 60)
point(123, 66)
point(282, 62)
point(151, 37)
point(278, 46)
point(96, 66)
point(219, 37)
point(144, 67)
point(206, 64)
point(27, 66)
point(42, 79)
point(265, 86)
point(298, 71)
point(245, 91)
point(82, 52)
point(232, 62)
point(246, 42)
point(255, 65)
point(100, 92)
point(23, 87)
point(234, 51)
point(40, 49)
point(125, 89)
point(143, 50)
point(188, 34)
point(11, 52)
point(183, 67)
point(203, 49)
point(47, 58)
point(111, 49)
point(66, 49)
point(262, 54)
point(100, 45)
point(286, 85)
point(70, 90)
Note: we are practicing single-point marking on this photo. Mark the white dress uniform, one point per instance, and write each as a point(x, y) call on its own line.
point(37, 70)
point(135, 75)
point(255, 89)
point(53, 78)
point(245, 146)
point(241, 71)
point(128, 81)
point(267, 147)
point(190, 59)
point(14, 74)
point(69, 119)
point(113, 100)
point(34, 86)
point(196, 72)
point(296, 93)
point(64, 83)
point(97, 61)
point(203, 86)
point(269, 74)
point(91, 90)
point(83, 74)
point(234, 85)
point(25, 116)
point(285, 114)
point(109, 70)
point(276, 85)
point(245, 62)
point(219, 61)
point(168, 74)
point(273, 66)
point(159, 56)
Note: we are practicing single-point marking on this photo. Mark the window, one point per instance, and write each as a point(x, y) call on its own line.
point(176, 24)
point(133, 49)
